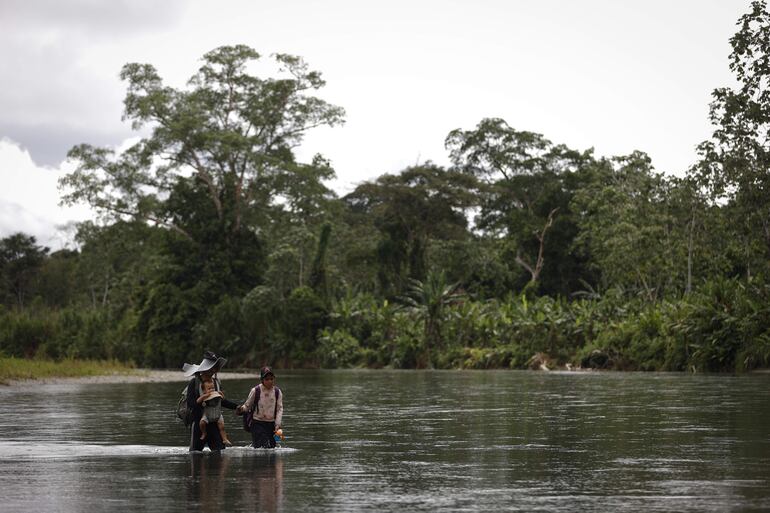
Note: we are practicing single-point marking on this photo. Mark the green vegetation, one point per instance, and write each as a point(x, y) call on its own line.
point(23, 368)
point(523, 253)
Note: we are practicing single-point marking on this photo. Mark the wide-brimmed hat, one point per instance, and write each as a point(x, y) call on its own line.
point(210, 361)
point(264, 371)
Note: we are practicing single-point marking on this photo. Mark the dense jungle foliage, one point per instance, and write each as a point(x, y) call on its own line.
point(522, 253)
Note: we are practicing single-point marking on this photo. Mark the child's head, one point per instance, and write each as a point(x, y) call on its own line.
point(267, 376)
point(208, 386)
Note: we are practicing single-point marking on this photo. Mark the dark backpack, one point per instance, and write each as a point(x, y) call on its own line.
point(248, 417)
point(184, 413)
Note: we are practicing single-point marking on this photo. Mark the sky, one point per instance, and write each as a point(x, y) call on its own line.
point(613, 75)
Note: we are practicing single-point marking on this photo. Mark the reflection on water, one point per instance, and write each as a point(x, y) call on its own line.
point(389, 440)
point(260, 480)
point(88, 477)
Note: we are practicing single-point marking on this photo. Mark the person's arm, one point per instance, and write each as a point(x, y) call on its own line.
point(279, 410)
point(230, 405)
point(246, 406)
point(226, 403)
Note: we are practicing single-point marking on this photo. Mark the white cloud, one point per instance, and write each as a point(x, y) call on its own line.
point(29, 198)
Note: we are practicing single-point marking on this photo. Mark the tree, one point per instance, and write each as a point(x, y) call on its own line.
point(702, 242)
point(624, 225)
point(111, 256)
point(525, 191)
point(58, 285)
point(735, 163)
point(20, 261)
point(525, 220)
point(318, 278)
point(230, 137)
point(429, 299)
point(411, 209)
point(216, 169)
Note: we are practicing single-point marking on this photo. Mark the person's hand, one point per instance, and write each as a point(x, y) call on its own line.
point(239, 410)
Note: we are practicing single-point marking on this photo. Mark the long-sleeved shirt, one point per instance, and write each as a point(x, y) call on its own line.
point(270, 409)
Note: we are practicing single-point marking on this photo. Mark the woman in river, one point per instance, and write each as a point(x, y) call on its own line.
point(205, 371)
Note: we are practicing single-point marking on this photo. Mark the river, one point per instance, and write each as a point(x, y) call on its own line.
point(401, 441)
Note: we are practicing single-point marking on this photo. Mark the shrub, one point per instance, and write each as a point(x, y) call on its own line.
point(338, 349)
point(22, 334)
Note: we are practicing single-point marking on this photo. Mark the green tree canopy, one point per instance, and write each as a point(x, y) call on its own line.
point(229, 136)
point(215, 172)
point(409, 210)
point(526, 192)
point(20, 260)
point(735, 162)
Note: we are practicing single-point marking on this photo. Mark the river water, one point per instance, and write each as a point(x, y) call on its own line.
point(401, 441)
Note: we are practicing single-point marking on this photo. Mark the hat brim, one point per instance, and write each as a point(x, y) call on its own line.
point(205, 365)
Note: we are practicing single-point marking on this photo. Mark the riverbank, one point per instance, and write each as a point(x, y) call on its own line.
point(20, 371)
point(132, 376)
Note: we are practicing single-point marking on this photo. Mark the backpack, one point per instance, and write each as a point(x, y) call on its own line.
point(184, 413)
point(248, 417)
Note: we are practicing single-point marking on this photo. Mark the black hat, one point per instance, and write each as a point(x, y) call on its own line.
point(210, 361)
point(263, 373)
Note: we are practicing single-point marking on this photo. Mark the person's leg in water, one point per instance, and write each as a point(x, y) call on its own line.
point(202, 425)
point(221, 426)
point(262, 434)
point(212, 438)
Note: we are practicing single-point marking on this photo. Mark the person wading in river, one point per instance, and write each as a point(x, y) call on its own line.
point(205, 371)
point(265, 405)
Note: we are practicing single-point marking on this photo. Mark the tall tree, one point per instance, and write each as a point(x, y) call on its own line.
point(410, 209)
point(735, 162)
point(230, 135)
point(525, 192)
point(318, 278)
point(624, 224)
point(216, 167)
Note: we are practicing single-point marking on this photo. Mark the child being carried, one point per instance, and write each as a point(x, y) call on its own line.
point(211, 399)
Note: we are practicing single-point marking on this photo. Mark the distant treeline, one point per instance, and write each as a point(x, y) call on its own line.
point(522, 253)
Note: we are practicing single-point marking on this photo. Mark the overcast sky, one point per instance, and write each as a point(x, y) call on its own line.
point(615, 75)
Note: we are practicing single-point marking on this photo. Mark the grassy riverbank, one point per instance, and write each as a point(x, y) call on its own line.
point(13, 369)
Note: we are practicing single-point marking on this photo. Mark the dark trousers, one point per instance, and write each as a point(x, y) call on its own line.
point(262, 434)
point(213, 438)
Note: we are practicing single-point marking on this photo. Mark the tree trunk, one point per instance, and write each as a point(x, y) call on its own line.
point(535, 273)
point(690, 244)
